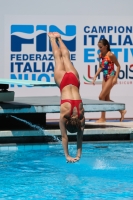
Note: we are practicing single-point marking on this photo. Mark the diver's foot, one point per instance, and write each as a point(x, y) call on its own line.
point(57, 35)
point(123, 112)
point(51, 36)
point(101, 120)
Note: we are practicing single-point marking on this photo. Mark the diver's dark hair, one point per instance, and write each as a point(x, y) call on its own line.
point(105, 42)
point(73, 125)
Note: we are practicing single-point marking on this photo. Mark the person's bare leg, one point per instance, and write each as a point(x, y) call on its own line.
point(102, 118)
point(103, 114)
point(122, 112)
point(105, 91)
point(59, 69)
point(66, 56)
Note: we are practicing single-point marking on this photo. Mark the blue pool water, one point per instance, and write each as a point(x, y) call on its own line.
point(105, 171)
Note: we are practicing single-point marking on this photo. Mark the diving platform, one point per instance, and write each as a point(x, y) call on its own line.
point(15, 111)
point(24, 121)
point(9, 104)
point(51, 104)
point(6, 95)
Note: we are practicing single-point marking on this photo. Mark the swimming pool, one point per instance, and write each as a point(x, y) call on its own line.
point(41, 172)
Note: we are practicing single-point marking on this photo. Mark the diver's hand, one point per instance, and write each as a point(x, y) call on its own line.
point(77, 158)
point(71, 159)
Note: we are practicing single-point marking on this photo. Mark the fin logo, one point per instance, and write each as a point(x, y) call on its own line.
point(37, 35)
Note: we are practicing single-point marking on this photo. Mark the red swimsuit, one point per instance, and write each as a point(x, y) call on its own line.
point(70, 79)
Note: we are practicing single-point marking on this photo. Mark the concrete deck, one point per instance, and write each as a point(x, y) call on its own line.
point(93, 132)
point(51, 104)
point(91, 128)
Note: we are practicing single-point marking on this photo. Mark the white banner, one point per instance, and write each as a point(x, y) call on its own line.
point(28, 54)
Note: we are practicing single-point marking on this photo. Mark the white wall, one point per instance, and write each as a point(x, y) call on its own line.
point(60, 7)
point(89, 8)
